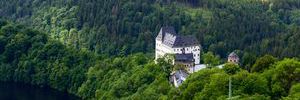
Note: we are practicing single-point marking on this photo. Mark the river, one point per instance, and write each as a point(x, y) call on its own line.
point(17, 91)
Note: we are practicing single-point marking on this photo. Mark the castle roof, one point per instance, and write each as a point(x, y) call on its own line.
point(182, 41)
point(164, 31)
point(180, 76)
point(233, 55)
point(184, 57)
point(169, 37)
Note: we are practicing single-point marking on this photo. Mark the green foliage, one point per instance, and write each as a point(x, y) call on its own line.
point(263, 63)
point(126, 27)
point(286, 74)
point(217, 87)
point(245, 83)
point(248, 60)
point(166, 65)
point(194, 86)
point(231, 68)
point(131, 80)
point(294, 92)
point(30, 57)
point(211, 60)
point(110, 28)
point(254, 97)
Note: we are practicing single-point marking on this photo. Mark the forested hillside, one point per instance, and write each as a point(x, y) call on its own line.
point(102, 49)
point(31, 57)
point(118, 27)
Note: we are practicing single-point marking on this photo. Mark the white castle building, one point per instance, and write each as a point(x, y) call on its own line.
point(186, 51)
point(169, 42)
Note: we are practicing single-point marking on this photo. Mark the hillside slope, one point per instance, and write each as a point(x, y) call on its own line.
point(117, 27)
point(29, 56)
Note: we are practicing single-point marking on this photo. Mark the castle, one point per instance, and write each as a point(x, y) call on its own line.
point(186, 51)
point(185, 48)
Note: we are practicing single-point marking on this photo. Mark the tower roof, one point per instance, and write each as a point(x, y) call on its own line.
point(233, 55)
point(168, 29)
point(165, 30)
point(169, 37)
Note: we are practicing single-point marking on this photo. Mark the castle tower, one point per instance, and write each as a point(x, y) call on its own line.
point(233, 58)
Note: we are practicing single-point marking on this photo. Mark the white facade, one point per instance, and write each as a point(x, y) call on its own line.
point(161, 49)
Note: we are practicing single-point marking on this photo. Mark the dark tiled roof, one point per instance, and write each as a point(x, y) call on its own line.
point(165, 30)
point(233, 55)
point(182, 41)
point(168, 29)
point(184, 57)
point(170, 38)
point(180, 73)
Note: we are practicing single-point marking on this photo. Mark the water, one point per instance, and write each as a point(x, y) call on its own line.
point(17, 91)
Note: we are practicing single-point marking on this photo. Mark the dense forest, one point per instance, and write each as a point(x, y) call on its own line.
point(32, 57)
point(112, 27)
point(103, 49)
